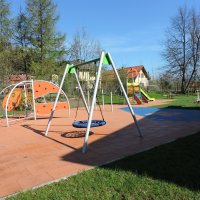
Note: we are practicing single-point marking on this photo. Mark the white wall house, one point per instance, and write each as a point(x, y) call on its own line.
point(142, 79)
point(139, 74)
point(136, 73)
point(87, 77)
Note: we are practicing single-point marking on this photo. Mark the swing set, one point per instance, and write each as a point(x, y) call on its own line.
point(104, 59)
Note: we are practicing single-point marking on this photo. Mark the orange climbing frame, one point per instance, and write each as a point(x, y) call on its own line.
point(46, 108)
point(14, 99)
point(42, 88)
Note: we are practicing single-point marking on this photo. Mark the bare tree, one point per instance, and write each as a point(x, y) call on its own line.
point(182, 47)
point(194, 31)
point(83, 47)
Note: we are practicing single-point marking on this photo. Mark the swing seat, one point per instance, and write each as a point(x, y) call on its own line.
point(84, 123)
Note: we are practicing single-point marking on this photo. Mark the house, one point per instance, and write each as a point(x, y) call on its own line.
point(14, 78)
point(88, 77)
point(135, 73)
point(86, 73)
point(138, 74)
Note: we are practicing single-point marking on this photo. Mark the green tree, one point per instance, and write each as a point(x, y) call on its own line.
point(5, 23)
point(46, 42)
point(5, 39)
point(21, 37)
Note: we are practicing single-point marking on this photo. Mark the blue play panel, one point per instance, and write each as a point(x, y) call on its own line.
point(164, 114)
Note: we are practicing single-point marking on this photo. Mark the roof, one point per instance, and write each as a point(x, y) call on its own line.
point(20, 77)
point(131, 72)
point(14, 78)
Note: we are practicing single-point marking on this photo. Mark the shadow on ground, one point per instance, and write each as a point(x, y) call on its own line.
point(177, 162)
point(180, 107)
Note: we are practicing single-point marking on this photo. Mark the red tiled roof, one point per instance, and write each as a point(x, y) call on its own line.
point(20, 77)
point(131, 72)
point(14, 78)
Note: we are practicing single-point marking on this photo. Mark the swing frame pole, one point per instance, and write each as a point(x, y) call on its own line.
point(111, 101)
point(95, 94)
point(81, 90)
point(58, 95)
point(56, 101)
point(85, 144)
point(102, 99)
point(88, 98)
point(125, 95)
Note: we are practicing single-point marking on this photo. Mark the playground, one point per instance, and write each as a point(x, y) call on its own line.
point(28, 159)
point(44, 139)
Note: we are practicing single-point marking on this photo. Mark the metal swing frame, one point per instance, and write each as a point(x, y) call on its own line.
point(105, 59)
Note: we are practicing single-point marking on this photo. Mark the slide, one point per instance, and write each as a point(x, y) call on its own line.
point(144, 99)
point(146, 95)
point(137, 99)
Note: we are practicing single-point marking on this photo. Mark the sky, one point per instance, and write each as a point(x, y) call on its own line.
point(132, 31)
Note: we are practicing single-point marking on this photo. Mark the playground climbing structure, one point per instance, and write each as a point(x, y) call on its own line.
point(30, 99)
point(136, 94)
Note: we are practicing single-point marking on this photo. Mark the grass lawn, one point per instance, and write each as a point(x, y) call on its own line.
point(182, 102)
point(116, 99)
point(156, 94)
point(170, 171)
point(178, 101)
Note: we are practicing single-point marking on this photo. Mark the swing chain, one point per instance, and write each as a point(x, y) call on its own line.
point(77, 108)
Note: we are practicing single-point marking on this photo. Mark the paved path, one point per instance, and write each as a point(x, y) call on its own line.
point(28, 159)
